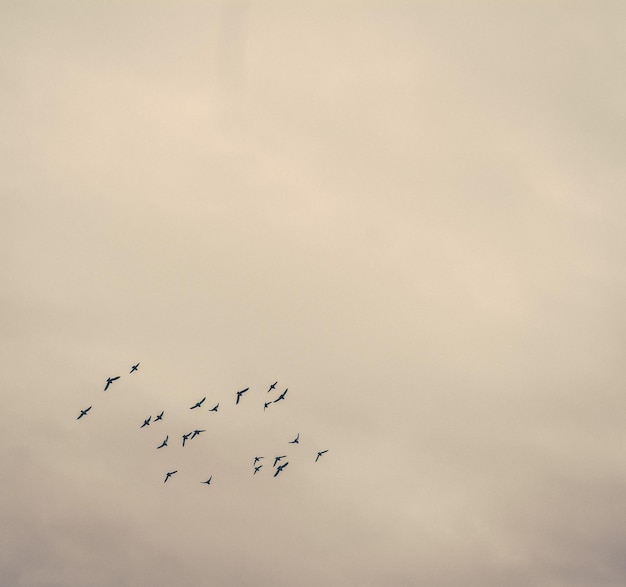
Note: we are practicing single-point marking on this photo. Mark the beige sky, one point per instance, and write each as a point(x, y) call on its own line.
point(411, 214)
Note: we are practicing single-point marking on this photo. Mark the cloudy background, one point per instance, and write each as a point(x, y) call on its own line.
point(411, 214)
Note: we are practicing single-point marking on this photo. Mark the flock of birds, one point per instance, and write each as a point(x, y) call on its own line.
point(278, 465)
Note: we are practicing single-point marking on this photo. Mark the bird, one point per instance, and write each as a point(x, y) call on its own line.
point(266, 404)
point(296, 440)
point(208, 481)
point(280, 468)
point(272, 386)
point(198, 404)
point(240, 393)
point(109, 381)
point(168, 475)
point(278, 459)
point(83, 412)
point(146, 422)
point(214, 408)
point(257, 459)
point(185, 437)
point(164, 443)
point(319, 454)
point(159, 417)
point(281, 396)
point(195, 433)
point(134, 368)
point(257, 469)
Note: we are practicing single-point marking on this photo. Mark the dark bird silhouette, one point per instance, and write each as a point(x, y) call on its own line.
point(266, 404)
point(214, 408)
point(296, 440)
point(146, 422)
point(257, 459)
point(278, 459)
point(83, 412)
point(168, 475)
point(281, 396)
point(198, 404)
point(208, 481)
point(134, 368)
point(240, 393)
point(109, 381)
point(164, 443)
point(280, 468)
point(195, 433)
point(319, 454)
point(185, 437)
point(257, 469)
point(272, 386)
point(159, 417)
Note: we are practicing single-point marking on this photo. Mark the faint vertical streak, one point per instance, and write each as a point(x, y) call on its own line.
point(231, 59)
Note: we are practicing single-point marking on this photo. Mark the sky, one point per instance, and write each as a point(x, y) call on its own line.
point(409, 214)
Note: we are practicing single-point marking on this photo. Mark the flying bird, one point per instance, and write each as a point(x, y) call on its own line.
point(208, 481)
point(164, 443)
point(257, 469)
point(134, 368)
point(266, 404)
point(198, 404)
point(168, 475)
point(195, 433)
point(83, 412)
point(281, 396)
point(278, 459)
point(146, 422)
point(159, 417)
point(296, 440)
point(240, 393)
point(319, 454)
point(280, 468)
point(257, 459)
point(214, 408)
point(109, 381)
point(272, 386)
point(185, 437)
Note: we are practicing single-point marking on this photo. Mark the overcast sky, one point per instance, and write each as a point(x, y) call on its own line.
point(410, 214)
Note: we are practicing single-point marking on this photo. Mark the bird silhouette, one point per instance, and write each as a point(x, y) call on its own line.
point(272, 386)
point(195, 433)
point(214, 408)
point(83, 412)
point(185, 437)
point(109, 381)
point(146, 422)
point(257, 469)
point(168, 475)
point(281, 396)
point(159, 417)
point(257, 459)
point(280, 468)
point(240, 393)
point(278, 459)
point(319, 454)
point(266, 404)
point(164, 443)
point(134, 368)
point(296, 440)
point(208, 481)
point(198, 404)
